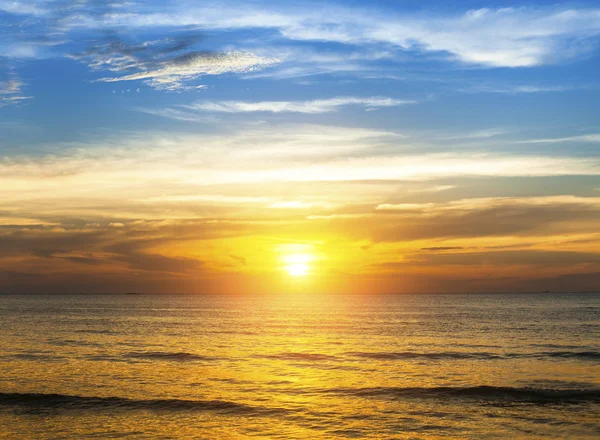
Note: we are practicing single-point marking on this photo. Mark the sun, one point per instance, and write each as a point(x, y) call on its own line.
point(297, 265)
point(297, 270)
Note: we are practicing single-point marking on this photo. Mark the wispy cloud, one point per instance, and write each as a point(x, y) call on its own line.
point(11, 91)
point(20, 8)
point(516, 89)
point(297, 204)
point(477, 135)
point(490, 37)
point(177, 114)
point(507, 37)
point(504, 37)
point(594, 138)
point(314, 106)
point(143, 166)
point(466, 205)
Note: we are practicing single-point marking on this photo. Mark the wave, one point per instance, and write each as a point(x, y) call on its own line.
point(457, 355)
point(34, 357)
point(33, 402)
point(422, 355)
point(483, 393)
point(585, 355)
point(169, 356)
point(72, 342)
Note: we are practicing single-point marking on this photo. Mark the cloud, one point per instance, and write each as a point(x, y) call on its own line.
point(281, 153)
point(506, 37)
point(512, 257)
point(488, 217)
point(240, 260)
point(11, 91)
point(194, 112)
point(280, 178)
point(490, 202)
point(171, 74)
point(593, 138)
point(488, 37)
point(296, 204)
point(442, 248)
point(20, 8)
point(160, 263)
point(45, 241)
point(117, 53)
point(311, 107)
point(169, 59)
point(503, 37)
point(455, 239)
point(177, 115)
point(483, 134)
point(516, 89)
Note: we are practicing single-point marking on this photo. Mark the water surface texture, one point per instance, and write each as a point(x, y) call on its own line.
point(300, 366)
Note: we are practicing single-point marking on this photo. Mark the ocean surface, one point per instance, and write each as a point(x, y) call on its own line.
point(300, 366)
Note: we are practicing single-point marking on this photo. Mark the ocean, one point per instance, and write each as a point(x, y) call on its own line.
point(300, 366)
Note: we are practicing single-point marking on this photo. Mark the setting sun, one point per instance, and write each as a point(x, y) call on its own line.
point(297, 270)
point(297, 265)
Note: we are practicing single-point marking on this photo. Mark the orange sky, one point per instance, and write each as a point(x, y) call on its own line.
point(143, 219)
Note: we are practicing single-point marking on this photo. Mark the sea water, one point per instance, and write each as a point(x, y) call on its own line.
point(300, 366)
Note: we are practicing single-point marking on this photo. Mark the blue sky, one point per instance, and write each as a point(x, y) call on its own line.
point(234, 110)
point(513, 66)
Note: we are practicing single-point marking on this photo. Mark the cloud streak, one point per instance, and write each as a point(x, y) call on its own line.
point(11, 91)
point(587, 138)
point(80, 181)
point(311, 107)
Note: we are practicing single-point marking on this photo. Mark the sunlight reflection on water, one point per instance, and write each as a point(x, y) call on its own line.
point(300, 366)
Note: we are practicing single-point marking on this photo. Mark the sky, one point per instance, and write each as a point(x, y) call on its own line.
point(299, 146)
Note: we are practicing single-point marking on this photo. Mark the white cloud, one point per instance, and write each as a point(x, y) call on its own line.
point(486, 133)
point(275, 166)
point(314, 106)
point(515, 89)
point(170, 74)
point(487, 203)
point(11, 91)
point(280, 153)
point(338, 216)
point(209, 198)
point(296, 204)
point(504, 37)
point(594, 137)
point(20, 8)
point(178, 115)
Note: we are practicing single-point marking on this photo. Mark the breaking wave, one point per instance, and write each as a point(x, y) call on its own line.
point(33, 402)
point(483, 393)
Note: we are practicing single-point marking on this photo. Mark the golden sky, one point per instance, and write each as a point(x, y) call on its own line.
point(292, 209)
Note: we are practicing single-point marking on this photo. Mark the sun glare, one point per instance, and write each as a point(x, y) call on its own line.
point(297, 270)
point(297, 265)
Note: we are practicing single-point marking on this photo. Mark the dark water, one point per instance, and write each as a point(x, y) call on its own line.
point(300, 366)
